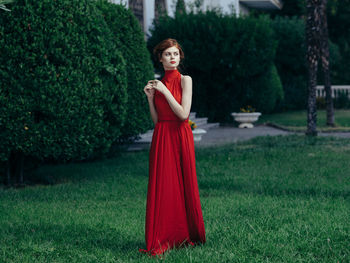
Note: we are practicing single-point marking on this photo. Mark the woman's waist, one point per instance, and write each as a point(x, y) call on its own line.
point(171, 120)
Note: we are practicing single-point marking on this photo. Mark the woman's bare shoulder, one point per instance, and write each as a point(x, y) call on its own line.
point(186, 81)
point(185, 78)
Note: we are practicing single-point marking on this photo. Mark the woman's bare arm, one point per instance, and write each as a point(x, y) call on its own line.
point(150, 91)
point(153, 111)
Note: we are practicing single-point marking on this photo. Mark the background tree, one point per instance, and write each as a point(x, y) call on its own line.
point(180, 7)
point(2, 4)
point(339, 32)
point(313, 33)
point(291, 8)
point(325, 61)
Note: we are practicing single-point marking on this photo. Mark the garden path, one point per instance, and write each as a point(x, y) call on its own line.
point(220, 135)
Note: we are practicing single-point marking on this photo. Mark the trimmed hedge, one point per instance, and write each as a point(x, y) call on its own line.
point(291, 61)
point(129, 39)
point(63, 81)
point(230, 60)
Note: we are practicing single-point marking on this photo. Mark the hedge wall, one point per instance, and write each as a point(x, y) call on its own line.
point(291, 61)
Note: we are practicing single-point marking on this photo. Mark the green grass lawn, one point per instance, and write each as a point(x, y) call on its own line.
point(296, 120)
point(270, 199)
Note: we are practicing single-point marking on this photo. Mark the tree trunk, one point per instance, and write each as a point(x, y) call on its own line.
point(20, 162)
point(14, 175)
point(325, 64)
point(180, 7)
point(313, 28)
point(159, 9)
point(8, 173)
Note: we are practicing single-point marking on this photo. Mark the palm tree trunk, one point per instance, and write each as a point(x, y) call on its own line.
point(325, 64)
point(311, 103)
point(313, 28)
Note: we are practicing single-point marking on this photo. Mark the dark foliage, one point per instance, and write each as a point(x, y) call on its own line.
point(130, 42)
point(230, 60)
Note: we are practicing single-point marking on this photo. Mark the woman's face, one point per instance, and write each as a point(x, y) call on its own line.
point(170, 58)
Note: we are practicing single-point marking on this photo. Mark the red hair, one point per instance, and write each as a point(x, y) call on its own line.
point(165, 44)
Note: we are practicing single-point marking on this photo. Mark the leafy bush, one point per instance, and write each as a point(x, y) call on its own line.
point(229, 59)
point(63, 81)
point(342, 100)
point(321, 103)
point(129, 39)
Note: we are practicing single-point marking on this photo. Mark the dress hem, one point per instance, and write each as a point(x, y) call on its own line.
point(163, 249)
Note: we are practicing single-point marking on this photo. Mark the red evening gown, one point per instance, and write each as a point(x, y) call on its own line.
point(173, 212)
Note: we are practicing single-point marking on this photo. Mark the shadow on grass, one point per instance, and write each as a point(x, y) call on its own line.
point(77, 237)
point(75, 172)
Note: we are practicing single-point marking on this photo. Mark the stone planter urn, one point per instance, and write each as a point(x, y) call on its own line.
point(246, 119)
point(197, 134)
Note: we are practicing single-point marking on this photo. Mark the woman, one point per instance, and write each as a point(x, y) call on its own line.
point(173, 214)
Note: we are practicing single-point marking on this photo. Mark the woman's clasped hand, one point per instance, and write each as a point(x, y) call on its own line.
point(152, 86)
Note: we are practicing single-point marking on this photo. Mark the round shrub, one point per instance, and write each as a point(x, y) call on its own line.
point(63, 81)
point(227, 57)
point(128, 36)
point(271, 94)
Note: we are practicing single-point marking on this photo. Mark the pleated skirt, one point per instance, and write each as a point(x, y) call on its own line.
point(173, 212)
